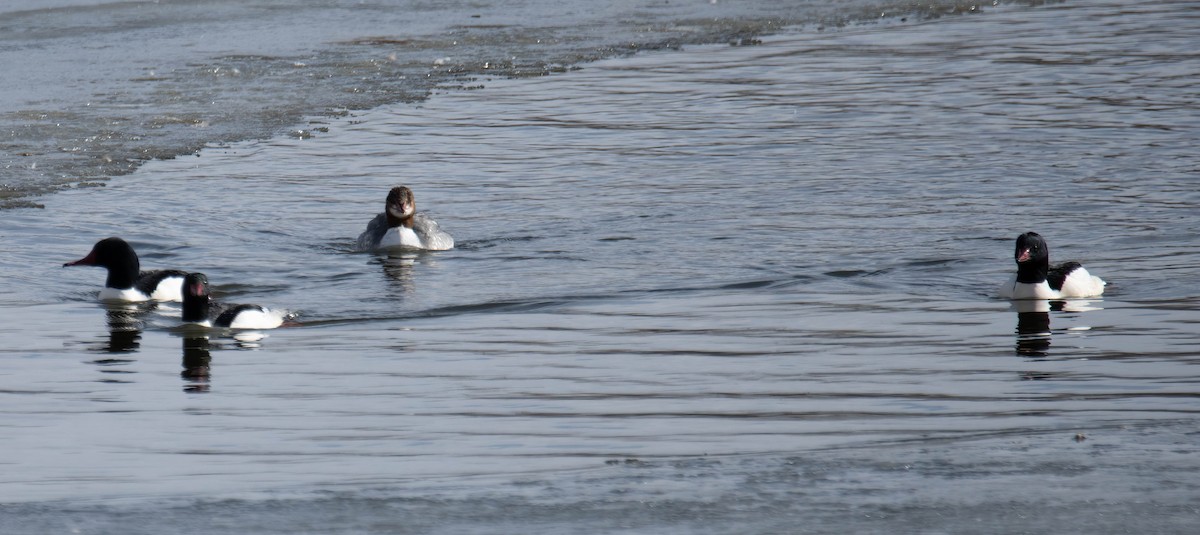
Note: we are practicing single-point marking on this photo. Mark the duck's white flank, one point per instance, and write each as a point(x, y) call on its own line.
point(169, 289)
point(258, 319)
point(400, 237)
point(1079, 283)
point(127, 295)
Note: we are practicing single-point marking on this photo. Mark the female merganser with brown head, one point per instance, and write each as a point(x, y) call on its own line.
point(199, 309)
point(125, 280)
point(400, 226)
point(1037, 279)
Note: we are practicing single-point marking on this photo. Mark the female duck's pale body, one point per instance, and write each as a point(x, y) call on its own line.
point(401, 227)
point(424, 234)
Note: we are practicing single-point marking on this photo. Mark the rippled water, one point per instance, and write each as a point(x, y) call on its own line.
point(95, 88)
point(717, 290)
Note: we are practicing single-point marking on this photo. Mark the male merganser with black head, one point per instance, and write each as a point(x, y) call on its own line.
point(125, 280)
point(1037, 279)
point(200, 310)
point(400, 226)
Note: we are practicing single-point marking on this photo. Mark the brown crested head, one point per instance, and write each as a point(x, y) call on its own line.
point(400, 206)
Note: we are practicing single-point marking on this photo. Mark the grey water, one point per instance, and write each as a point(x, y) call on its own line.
point(94, 88)
point(697, 289)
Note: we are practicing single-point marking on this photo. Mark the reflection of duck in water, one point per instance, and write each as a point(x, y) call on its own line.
point(1033, 328)
point(125, 280)
point(398, 268)
point(400, 226)
point(124, 329)
point(1033, 322)
point(1036, 279)
point(196, 359)
point(200, 310)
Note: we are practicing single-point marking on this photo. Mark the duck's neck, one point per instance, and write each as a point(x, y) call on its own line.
point(1033, 272)
point(122, 275)
point(394, 221)
point(195, 308)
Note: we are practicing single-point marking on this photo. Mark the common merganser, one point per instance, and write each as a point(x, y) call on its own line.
point(125, 281)
point(1037, 279)
point(200, 310)
point(400, 226)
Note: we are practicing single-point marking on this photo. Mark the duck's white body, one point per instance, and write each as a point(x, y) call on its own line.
point(125, 295)
point(431, 238)
point(1078, 283)
point(400, 237)
point(167, 290)
point(260, 318)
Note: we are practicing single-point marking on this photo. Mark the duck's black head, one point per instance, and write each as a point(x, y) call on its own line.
point(400, 207)
point(115, 255)
point(1031, 247)
point(195, 285)
point(195, 297)
point(1033, 258)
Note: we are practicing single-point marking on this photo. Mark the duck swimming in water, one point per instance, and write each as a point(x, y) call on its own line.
point(199, 309)
point(126, 282)
point(400, 226)
point(1037, 279)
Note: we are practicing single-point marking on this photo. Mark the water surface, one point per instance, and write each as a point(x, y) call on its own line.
point(723, 289)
